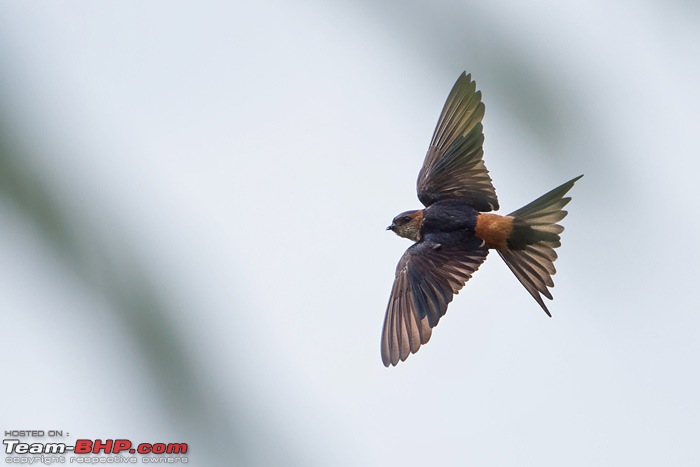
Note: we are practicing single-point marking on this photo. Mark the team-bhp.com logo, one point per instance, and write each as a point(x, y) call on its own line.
point(83, 452)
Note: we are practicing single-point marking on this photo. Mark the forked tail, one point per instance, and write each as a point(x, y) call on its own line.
point(535, 234)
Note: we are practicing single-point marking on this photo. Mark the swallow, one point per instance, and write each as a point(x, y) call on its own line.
point(455, 231)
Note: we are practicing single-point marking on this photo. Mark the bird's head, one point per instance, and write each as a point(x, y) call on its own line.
point(408, 224)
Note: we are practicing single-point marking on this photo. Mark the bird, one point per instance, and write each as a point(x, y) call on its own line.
point(455, 231)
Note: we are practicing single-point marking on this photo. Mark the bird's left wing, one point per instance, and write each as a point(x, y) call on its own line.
point(428, 275)
point(453, 167)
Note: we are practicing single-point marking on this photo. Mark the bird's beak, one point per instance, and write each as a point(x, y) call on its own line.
point(391, 227)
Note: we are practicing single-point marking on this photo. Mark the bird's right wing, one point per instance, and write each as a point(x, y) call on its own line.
point(428, 275)
point(453, 167)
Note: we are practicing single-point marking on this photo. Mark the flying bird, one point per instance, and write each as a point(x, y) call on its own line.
point(456, 230)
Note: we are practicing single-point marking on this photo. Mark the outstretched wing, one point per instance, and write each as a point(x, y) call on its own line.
point(428, 275)
point(453, 167)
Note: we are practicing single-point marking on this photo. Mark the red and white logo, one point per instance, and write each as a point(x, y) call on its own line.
point(90, 451)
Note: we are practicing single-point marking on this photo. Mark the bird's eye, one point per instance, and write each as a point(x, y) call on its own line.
point(406, 219)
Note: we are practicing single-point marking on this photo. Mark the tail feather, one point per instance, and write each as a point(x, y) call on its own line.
point(530, 248)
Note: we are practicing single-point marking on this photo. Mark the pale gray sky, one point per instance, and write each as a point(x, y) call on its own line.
point(223, 174)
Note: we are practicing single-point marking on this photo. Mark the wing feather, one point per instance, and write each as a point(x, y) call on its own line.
point(454, 166)
point(428, 276)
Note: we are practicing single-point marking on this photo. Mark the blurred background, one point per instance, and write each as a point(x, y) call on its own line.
point(193, 197)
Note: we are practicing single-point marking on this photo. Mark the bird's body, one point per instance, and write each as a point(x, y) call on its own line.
point(456, 230)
